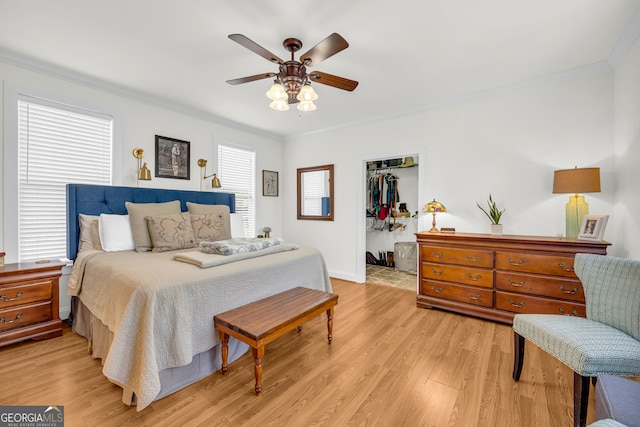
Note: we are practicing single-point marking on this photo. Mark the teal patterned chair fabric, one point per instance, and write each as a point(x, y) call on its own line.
point(606, 342)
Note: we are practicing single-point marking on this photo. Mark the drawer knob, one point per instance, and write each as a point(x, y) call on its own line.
point(435, 255)
point(517, 285)
point(475, 258)
point(5, 321)
point(473, 297)
point(513, 303)
point(517, 264)
point(574, 312)
point(437, 290)
point(568, 292)
point(437, 273)
point(475, 279)
point(4, 297)
point(563, 268)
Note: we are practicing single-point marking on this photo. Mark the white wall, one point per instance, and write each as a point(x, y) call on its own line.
point(627, 154)
point(507, 143)
point(137, 123)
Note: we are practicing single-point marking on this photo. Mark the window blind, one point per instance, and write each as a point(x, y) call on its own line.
point(236, 170)
point(312, 193)
point(57, 144)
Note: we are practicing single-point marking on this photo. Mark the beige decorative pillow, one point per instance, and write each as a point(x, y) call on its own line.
point(211, 227)
point(214, 228)
point(89, 235)
point(138, 212)
point(170, 232)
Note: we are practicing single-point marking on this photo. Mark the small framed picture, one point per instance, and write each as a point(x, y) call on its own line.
point(593, 227)
point(269, 183)
point(172, 158)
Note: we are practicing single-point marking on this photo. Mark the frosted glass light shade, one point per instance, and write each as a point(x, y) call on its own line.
point(277, 92)
point(307, 94)
point(306, 106)
point(279, 105)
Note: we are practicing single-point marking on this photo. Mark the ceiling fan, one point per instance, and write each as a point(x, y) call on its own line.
point(293, 82)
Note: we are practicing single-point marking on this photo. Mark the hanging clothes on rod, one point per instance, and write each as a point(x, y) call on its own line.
point(382, 191)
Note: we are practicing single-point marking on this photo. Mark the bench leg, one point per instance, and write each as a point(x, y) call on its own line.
point(224, 339)
point(330, 324)
point(258, 354)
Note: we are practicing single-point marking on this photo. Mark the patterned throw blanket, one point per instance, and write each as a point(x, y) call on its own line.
point(238, 246)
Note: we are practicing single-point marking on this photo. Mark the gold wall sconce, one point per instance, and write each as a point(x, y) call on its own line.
point(215, 182)
point(144, 174)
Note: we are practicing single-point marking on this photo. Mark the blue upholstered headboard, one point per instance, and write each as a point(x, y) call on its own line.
point(97, 199)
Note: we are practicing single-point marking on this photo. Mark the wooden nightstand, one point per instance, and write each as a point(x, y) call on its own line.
point(29, 301)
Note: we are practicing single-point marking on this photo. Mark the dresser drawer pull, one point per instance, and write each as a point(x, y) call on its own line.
point(571, 292)
point(563, 268)
point(517, 264)
point(5, 321)
point(475, 279)
point(517, 285)
point(437, 273)
point(477, 258)
point(475, 298)
point(437, 290)
point(519, 305)
point(574, 312)
point(435, 255)
point(4, 297)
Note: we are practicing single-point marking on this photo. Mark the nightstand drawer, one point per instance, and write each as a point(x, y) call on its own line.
point(519, 303)
point(462, 275)
point(540, 285)
point(25, 293)
point(470, 257)
point(466, 294)
point(25, 315)
point(533, 263)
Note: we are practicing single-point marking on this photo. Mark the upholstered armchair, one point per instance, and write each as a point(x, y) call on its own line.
point(606, 342)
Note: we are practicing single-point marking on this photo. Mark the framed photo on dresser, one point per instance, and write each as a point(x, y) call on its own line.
point(593, 227)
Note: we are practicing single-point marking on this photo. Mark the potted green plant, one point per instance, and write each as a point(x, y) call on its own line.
point(494, 214)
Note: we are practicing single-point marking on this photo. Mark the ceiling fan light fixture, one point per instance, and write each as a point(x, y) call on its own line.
point(279, 105)
point(307, 94)
point(277, 92)
point(306, 106)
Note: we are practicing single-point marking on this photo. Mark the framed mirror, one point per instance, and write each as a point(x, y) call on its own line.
point(315, 193)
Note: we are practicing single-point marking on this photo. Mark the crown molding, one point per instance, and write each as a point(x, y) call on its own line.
point(46, 68)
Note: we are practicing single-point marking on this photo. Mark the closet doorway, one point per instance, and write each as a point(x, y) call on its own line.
point(392, 213)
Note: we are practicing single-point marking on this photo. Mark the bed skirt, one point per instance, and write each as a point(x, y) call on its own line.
point(99, 339)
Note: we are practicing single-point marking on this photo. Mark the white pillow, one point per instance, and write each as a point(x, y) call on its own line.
point(115, 233)
point(237, 229)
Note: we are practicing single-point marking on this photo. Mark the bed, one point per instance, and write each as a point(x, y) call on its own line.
point(148, 316)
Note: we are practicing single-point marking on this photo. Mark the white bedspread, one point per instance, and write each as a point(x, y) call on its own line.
point(161, 311)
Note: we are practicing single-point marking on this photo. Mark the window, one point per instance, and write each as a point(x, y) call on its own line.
point(236, 169)
point(57, 144)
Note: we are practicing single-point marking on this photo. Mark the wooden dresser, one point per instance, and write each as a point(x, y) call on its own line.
point(29, 301)
point(495, 277)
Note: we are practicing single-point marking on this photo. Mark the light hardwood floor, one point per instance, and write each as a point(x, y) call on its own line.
point(390, 364)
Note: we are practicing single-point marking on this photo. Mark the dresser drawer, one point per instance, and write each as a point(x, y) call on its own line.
point(470, 257)
point(554, 265)
point(462, 275)
point(466, 294)
point(13, 295)
point(540, 285)
point(25, 315)
point(519, 303)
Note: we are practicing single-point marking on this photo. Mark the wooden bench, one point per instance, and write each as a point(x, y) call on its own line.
point(261, 322)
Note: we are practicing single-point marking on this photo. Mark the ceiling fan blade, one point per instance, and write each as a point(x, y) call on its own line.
point(331, 80)
point(256, 48)
point(325, 49)
point(251, 78)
